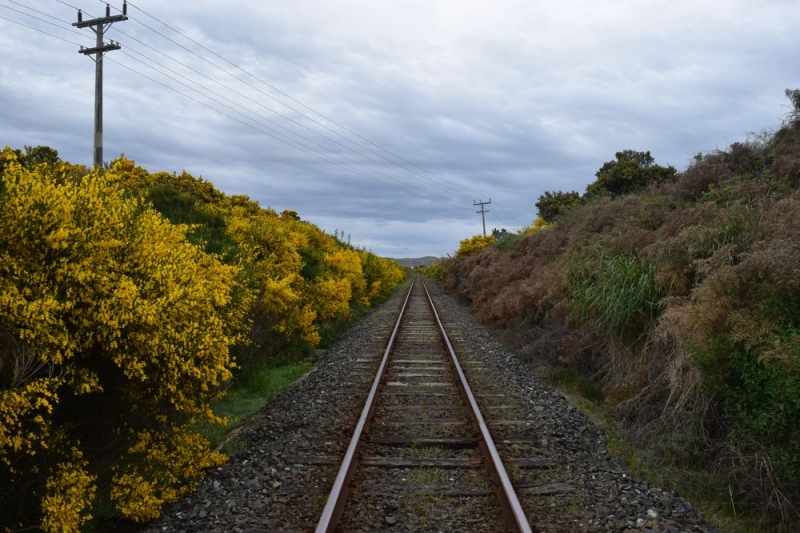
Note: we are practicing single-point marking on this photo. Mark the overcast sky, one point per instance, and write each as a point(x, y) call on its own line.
point(388, 119)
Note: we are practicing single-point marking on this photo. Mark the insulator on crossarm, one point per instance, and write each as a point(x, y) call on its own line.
point(124, 8)
point(108, 10)
point(80, 16)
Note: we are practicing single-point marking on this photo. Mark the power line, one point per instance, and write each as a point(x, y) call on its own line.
point(455, 189)
point(493, 215)
point(294, 144)
point(70, 5)
point(266, 107)
point(39, 30)
point(39, 19)
point(286, 95)
point(37, 11)
point(449, 190)
point(283, 140)
point(274, 133)
point(510, 221)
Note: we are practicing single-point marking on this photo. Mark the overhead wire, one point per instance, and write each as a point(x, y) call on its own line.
point(76, 8)
point(39, 19)
point(402, 185)
point(256, 102)
point(285, 95)
point(304, 148)
point(227, 72)
point(508, 219)
point(287, 142)
point(283, 138)
point(36, 11)
point(239, 93)
point(510, 225)
point(274, 133)
point(456, 189)
point(433, 182)
point(38, 30)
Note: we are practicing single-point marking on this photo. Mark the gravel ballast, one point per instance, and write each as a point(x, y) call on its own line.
point(280, 481)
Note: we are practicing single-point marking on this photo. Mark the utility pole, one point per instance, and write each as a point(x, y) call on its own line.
point(483, 212)
point(99, 27)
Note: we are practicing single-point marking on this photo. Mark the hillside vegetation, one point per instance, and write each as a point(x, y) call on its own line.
point(679, 293)
point(129, 302)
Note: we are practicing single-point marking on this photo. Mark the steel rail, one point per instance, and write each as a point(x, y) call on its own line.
point(332, 512)
point(511, 503)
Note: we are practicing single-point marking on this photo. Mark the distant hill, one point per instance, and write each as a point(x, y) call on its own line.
point(411, 262)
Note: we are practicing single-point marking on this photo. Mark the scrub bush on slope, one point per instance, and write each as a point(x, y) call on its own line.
point(114, 340)
point(682, 299)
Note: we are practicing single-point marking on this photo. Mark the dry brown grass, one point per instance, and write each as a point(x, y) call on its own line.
point(724, 238)
point(787, 154)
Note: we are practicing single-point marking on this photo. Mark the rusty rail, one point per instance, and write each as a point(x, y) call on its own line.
point(332, 512)
point(508, 497)
point(338, 495)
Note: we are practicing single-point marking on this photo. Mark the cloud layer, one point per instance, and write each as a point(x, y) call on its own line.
point(388, 120)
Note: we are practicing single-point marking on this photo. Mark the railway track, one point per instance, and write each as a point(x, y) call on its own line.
point(421, 448)
point(420, 465)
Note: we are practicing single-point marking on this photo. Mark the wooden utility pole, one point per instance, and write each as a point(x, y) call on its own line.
point(483, 212)
point(99, 27)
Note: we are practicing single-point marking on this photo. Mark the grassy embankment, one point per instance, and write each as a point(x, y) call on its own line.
point(671, 300)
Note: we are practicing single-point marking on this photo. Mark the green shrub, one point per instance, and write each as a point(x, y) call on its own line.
point(631, 172)
point(507, 243)
point(554, 204)
point(760, 399)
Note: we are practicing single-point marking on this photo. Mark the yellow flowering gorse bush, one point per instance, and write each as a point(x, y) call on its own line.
point(538, 225)
point(126, 301)
point(103, 304)
point(473, 244)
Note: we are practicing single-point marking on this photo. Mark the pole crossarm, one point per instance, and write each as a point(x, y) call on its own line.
point(101, 49)
point(100, 21)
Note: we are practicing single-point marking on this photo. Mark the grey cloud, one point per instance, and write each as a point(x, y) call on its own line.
point(504, 100)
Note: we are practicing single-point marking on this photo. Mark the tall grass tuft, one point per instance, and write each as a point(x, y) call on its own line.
point(619, 294)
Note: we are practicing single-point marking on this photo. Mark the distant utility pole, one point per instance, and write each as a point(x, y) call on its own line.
point(483, 212)
point(99, 27)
